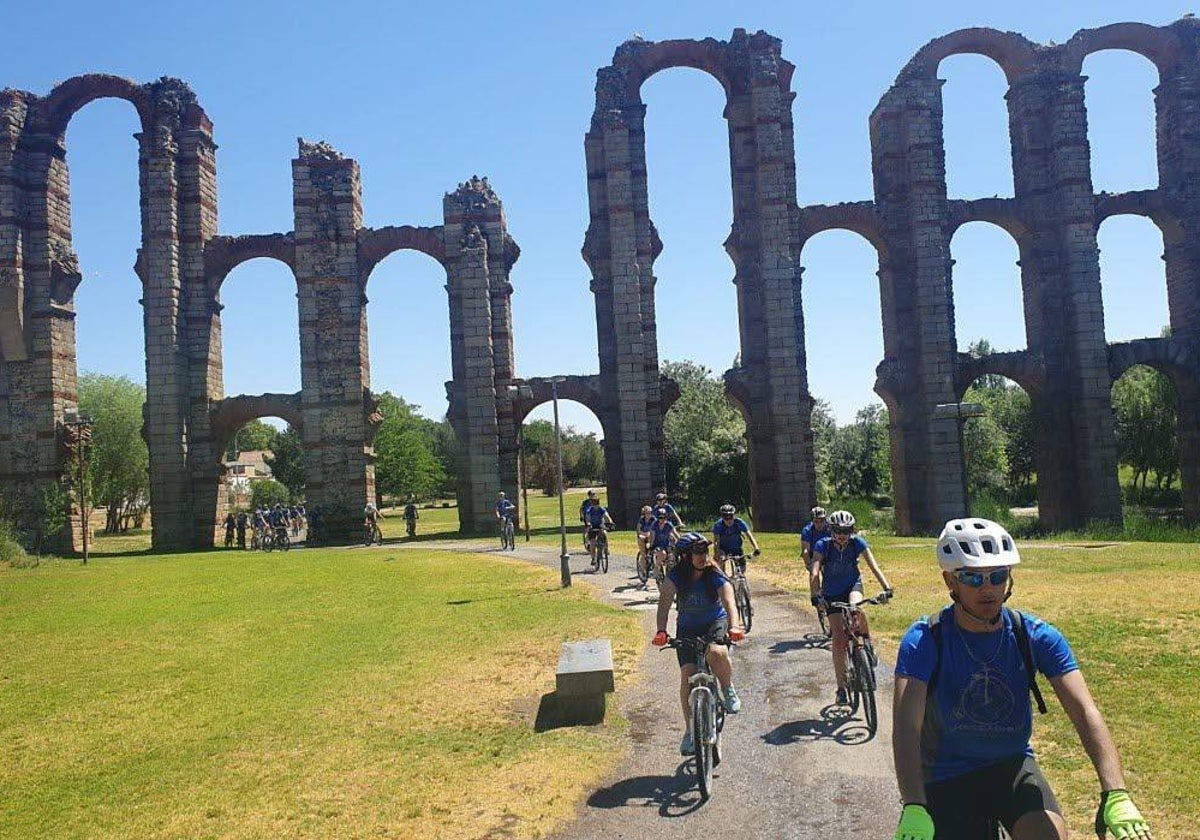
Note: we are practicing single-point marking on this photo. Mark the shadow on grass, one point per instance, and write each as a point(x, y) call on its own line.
point(556, 711)
point(504, 597)
point(834, 724)
point(674, 796)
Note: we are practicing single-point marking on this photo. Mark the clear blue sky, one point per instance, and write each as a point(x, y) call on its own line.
point(425, 95)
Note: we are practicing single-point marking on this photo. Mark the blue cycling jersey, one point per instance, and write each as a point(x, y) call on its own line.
point(979, 711)
point(595, 515)
point(839, 568)
point(728, 536)
point(506, 509)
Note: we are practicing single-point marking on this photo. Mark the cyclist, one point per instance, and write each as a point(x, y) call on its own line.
point(644, 536)
point(230, 527)
point(279, 522)
point(371, 517)
point(962, 712)
point(705, 610)
point(411, 515)
point(660, 501)
point(663, 536)
point(727, 534)
point(583, 507)
point(809, 535)
point(597, 517)
point(260, 523)
point(243, 520)
point(505, 509)
point(835, 576)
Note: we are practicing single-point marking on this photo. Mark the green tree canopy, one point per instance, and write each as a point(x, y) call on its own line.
point(119, 474)
point(1145, 418)
point(406, 460)
point(287, 462)
point(254, 436)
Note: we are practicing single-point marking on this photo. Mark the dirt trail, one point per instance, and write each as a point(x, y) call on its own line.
point(794, 765)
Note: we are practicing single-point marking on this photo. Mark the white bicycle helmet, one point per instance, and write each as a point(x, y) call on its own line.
point(818, 513)
point(841, 519)
point(972, 543)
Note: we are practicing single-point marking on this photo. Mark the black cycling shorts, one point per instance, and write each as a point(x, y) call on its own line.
point(719, 629)
point(843, 597)
point(967, 806)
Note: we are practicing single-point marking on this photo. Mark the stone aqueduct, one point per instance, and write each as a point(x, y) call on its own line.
point(1068, 367)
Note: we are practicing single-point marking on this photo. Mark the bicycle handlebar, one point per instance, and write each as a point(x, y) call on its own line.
point(693, 642)
point(842, 605)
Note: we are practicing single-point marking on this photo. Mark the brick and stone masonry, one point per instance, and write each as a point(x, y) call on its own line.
point(1067, 368)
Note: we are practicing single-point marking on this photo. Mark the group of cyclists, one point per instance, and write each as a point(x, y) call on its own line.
point(372, 514)
point(963, 677)
point(265, 522)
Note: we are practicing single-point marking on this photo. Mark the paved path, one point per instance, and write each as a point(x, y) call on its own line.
point(794, 766)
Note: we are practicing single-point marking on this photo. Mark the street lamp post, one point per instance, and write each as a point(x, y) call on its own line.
point(79, 442)
point(959, 412)
point(564, 558)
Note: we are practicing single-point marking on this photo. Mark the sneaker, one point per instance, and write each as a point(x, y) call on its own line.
point(686, 747)
point(843, 697)
point(733, 703)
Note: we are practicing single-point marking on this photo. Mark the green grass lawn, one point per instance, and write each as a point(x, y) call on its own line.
point(324, 693)
point(1128, 609)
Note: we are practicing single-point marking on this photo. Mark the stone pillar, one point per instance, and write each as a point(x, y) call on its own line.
point(38, 380)
point(335, 394)
point(618, 207)
point(1061, 276)
point(920, 349)
point(201, 338)
point(485, 210)
point(473, 402)
point(764, 245)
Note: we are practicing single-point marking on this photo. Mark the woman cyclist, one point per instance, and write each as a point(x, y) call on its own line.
point(663, 535)
point(705, 610)
point(836, 577)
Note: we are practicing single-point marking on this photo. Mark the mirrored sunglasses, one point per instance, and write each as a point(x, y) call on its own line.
point(996, 577)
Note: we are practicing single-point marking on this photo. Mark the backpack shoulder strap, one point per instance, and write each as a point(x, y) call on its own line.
point(935, 627)
point(1022, 634)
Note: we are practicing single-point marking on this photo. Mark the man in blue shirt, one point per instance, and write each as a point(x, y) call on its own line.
point(962, 712)
point(661, 503)
point(583, 506)
point(809, 534)
point(705, 610)
point(727, 534)
point(595, 518)
point(663, 535)
point(504, 508)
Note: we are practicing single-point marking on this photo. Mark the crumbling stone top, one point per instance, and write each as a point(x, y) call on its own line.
point(319, 151)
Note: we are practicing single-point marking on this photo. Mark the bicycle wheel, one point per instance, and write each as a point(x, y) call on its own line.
point(866, 687)
point(702, 710)
point(852, 691)
point(602, 549)
point(741, 595)
point(268, 542)
point(823, 618)
point(285, 543)
point(643, 570)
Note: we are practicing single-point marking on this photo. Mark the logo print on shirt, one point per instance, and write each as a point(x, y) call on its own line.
point(986, 701)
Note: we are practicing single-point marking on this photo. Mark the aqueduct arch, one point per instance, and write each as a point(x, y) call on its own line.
point(1068, 366)
point(622, 244)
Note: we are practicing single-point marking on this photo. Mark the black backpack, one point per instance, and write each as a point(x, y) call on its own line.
point(1022, 634)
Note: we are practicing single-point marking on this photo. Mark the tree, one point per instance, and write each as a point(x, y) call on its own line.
point(287, 462)
point(405, 459)
point(119, 472)
point(265, 492)
point(704, 436)
point(824, 434)
point(860, 455)
point(445, 447)
point(254, 436)
point(1145, 419)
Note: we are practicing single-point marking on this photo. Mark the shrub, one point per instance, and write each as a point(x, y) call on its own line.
point(11, 551)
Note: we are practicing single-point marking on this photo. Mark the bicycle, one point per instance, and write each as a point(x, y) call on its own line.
point(600, 551)
point(707, 706)
point(280, 539)
point(371, 532)
point(645, 561)
point(410, 527)
point(508, 538)
point(741, 590)
point(823, 620)
point(860, 661)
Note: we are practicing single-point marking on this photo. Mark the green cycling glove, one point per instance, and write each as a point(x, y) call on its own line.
point(915, 824)
point(1120, 816)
